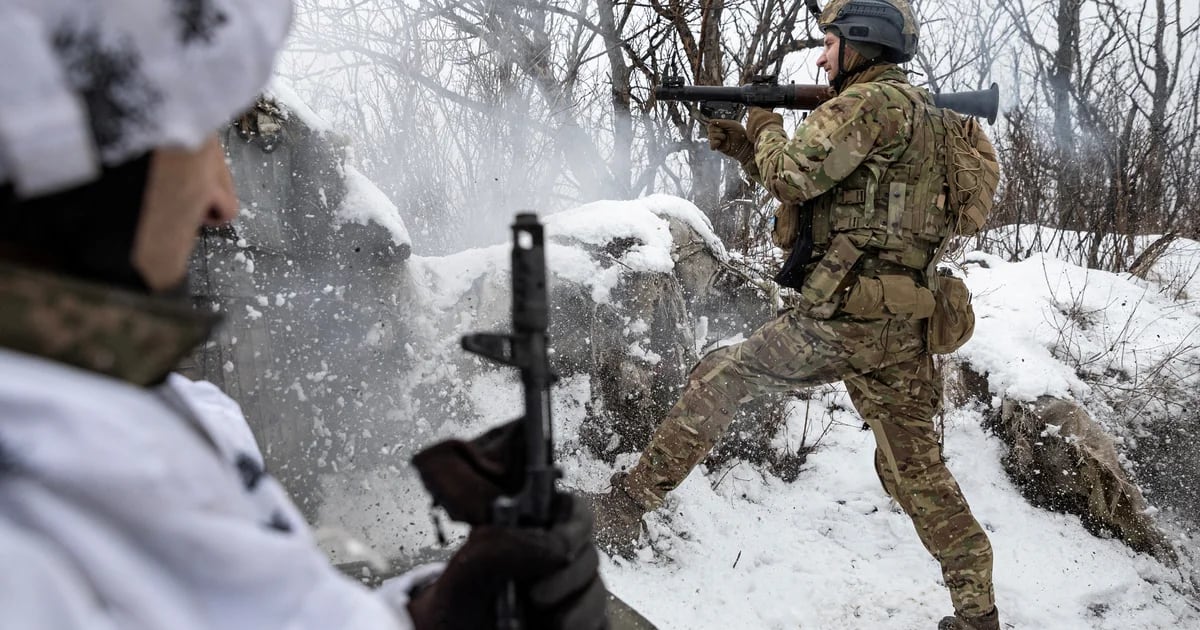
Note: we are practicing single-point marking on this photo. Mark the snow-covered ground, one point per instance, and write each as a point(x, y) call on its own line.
point(830, 550)
point(734, 548)
point(737, 548)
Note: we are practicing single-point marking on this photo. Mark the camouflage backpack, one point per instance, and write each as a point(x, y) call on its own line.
point(973, 172)
point(972, 176)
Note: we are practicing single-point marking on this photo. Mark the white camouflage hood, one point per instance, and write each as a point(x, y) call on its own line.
point(89, 83)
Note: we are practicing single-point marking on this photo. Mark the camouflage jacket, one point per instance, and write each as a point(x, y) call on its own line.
point(866, 164)
point(860, 128)
point(131, 337)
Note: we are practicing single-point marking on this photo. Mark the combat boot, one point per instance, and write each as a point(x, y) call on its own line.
point(990, 621)
point(618, 518)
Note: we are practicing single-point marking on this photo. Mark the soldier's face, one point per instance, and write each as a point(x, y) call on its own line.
point(185, 190)
point(829, 61)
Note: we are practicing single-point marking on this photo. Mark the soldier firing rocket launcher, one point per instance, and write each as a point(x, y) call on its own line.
point(730, 102)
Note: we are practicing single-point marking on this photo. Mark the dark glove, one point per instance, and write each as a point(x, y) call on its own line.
point(729, 137)
point(554, 569)
point(759, 119)
point(466, 478)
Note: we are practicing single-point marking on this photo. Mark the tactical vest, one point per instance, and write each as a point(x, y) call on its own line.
point(897, 214)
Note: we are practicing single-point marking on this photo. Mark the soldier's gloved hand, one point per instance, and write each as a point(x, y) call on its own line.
point(466, 477)
point(554, 570)
point(759, 119)
point(729, 137)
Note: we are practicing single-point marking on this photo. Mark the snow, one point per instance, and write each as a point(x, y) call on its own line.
point(830, 550)
point(448, 277)
point(739, 548)
point(1175, 274)
point(644, 219)
point(635, 222)
point(1040, 322)
point(365, 203)
point(282, 91)
point(642, 222)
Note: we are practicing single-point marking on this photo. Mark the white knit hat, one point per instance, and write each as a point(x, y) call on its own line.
point(85, 83)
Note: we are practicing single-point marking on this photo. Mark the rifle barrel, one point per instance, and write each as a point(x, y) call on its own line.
point(526, 349)
point(531, 319)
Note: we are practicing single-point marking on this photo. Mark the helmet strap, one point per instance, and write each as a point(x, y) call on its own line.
point(839, 78)
point(844, 74)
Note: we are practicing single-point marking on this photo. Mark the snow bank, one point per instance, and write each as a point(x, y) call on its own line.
point(831, 551)
point(572, 237)
point(282, 91)
point(365, 203)
point(1041, 322)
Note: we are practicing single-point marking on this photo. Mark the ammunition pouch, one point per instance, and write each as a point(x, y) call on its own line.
point(786, 225)
point(953, 319)
point(888, 297)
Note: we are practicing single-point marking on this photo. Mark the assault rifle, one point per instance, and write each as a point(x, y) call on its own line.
point(730, 102)
point(525, 349)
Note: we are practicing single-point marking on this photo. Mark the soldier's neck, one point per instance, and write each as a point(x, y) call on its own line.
point(122, 334)
point(872, 73)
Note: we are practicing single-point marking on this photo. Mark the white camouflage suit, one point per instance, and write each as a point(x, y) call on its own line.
point(122, 506)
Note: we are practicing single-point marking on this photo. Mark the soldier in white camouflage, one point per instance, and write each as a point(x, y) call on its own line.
point(866, 176)
point(131, 497)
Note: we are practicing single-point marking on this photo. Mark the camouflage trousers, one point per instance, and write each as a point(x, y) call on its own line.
point(896, 388)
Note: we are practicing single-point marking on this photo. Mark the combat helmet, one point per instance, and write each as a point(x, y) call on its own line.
point(889, 24)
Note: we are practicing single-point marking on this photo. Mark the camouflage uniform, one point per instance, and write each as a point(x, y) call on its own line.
point(865, 165)
point(96, 327)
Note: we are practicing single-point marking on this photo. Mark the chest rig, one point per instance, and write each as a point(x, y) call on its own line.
point(895, 212)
